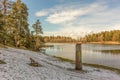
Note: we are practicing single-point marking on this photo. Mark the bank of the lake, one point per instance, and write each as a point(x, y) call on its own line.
point(17, 68)
point(104, 42)
point(92, 65)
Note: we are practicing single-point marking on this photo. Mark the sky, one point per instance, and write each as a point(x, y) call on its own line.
point(74, 18)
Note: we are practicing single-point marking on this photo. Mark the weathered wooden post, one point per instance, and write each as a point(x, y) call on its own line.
point(78, 57)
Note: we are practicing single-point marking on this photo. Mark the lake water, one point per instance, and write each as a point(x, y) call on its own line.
point(108, 55)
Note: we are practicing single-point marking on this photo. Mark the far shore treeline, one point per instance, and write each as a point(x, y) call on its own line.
point(104, 36)
point(60, 39)
point(110, 37)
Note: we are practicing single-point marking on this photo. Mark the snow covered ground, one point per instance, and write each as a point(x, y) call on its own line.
point(17, 68)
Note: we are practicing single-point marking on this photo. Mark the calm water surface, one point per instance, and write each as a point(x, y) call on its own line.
point(108, 55)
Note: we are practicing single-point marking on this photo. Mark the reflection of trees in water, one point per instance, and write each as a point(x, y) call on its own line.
point(114, 52)
point(58, 47)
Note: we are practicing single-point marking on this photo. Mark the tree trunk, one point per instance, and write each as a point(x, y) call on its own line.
point(4, 3)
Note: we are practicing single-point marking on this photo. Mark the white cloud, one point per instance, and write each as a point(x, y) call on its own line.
point(82, 30)
point(41, 13)
point(80, 19)
point(70, 14)
point(114, 27)
point(63, 16)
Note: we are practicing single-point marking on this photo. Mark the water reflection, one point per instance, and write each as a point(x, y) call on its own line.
point(114, 52)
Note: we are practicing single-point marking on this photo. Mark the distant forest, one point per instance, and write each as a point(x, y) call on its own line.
point(113, 35)
point(59, 39)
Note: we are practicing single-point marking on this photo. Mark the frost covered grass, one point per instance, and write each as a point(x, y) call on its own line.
point(17, 68)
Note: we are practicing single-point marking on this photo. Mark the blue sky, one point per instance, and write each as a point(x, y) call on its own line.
point(74, 18)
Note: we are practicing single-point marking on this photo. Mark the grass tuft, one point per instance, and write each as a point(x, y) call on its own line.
point(2, 62)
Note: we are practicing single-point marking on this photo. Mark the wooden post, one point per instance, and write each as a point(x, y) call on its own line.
point(78, 57)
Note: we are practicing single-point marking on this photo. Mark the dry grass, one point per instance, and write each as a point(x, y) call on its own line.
point(2, 62)
point(2, 46)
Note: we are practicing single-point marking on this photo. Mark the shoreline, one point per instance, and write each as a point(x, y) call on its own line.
point(91, 65)
point(105, 42)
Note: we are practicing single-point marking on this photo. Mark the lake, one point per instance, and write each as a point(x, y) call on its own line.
point(108, 55)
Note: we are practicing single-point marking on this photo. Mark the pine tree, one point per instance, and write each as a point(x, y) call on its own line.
point(5, 6)
point(19, 16)
point(37, 30)
point(1, 26)
point(1, 20)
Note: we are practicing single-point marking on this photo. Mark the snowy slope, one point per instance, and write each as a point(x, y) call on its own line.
point(17, 68)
